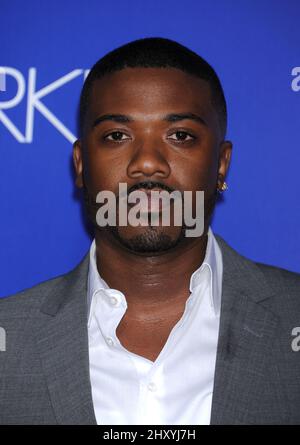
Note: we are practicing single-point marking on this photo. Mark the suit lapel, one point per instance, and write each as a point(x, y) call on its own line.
point(247, 330)
point(62, 343)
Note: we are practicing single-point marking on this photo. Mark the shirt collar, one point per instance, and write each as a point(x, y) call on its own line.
point(213, 266)
point(212, 263)
point(95, 282)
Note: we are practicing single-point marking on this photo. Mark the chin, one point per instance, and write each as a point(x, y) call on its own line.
point(148, 240)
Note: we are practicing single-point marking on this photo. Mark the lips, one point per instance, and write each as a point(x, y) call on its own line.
point(155, 203)
point(148, 191)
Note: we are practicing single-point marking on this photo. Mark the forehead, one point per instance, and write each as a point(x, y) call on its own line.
point(150, 90)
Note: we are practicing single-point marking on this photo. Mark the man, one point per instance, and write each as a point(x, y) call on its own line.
point(153, 326)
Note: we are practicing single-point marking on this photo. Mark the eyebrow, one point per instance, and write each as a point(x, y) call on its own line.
point(172, 117)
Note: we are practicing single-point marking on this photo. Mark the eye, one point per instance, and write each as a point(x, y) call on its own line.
point(116, 136)
point(182, 136)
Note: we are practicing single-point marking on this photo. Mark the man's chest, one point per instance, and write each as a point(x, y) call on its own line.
point(146, 339)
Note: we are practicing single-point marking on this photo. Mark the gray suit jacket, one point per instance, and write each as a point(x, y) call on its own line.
point(44, 372)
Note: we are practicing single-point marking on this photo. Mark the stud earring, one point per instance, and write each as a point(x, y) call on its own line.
point(223, 188)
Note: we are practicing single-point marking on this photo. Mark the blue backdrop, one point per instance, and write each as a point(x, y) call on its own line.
point(46, 48)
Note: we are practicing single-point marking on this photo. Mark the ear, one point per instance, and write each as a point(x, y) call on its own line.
point(77, 159)
point(224, 161)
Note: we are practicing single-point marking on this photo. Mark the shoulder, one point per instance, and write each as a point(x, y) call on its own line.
point(52, 292)
point(283, 286)
point(29, 300)
point(24, 315)
point(279, 277)
point(270, 272)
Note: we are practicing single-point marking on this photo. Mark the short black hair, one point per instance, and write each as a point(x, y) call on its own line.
point(156, 52)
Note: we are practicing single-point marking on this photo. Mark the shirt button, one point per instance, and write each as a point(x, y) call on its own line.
point(113, 301)
point(110, 341)
point(152, 387)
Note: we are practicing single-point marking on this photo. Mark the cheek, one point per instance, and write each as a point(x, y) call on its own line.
point(102, 172)
point(198, 174)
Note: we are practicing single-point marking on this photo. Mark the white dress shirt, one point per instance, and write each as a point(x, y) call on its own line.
point(175, 389)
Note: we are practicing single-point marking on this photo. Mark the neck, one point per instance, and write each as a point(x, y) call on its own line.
point(150, 282)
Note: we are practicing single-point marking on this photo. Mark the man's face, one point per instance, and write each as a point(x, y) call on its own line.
point(178, 153)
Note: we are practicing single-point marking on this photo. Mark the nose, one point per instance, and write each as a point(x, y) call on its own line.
point(148, 160)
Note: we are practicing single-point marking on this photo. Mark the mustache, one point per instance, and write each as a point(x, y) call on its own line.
point(149, 185)
point(146, 185)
